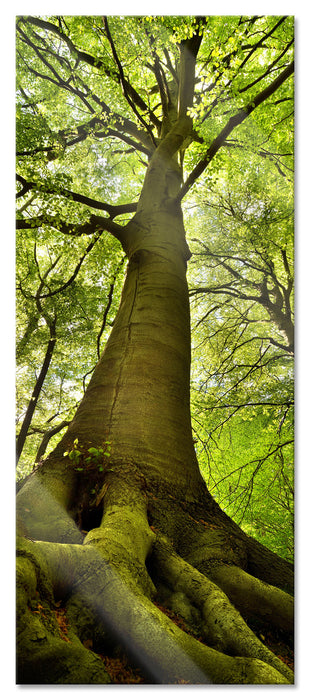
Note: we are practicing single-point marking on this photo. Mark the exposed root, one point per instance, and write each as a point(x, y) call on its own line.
point(41, 509)
point(164, 652)
point(45, 654)
point(107, 586)
point(124, 537)
point(223, 627)
point(253, 597)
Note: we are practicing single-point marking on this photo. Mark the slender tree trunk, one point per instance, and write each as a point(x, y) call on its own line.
point(20, 442)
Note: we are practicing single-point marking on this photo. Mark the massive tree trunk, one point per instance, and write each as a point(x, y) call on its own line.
point(138, 397)
point(116, 527)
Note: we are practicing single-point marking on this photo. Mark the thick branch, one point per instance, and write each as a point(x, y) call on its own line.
point(96, 63)
point(95, 223)
point(47, 436)
point(122, 80)
point(233, 122)
point(188, 54)
point(122, 124)
point(112, 210)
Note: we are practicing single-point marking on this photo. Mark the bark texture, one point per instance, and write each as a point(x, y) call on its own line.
point(118, 539)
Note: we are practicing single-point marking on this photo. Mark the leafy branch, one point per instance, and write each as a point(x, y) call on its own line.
point(232, 123)
point(112, 209)
point(95, 223)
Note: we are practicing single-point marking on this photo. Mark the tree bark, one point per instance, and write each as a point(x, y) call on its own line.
point(138, 397)
point(20, 442)
point(119, 533)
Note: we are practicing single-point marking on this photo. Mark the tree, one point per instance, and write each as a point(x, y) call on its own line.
point(244, 331)
point(116, 525)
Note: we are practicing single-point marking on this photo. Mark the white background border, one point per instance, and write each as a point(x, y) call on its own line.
point(9, 10)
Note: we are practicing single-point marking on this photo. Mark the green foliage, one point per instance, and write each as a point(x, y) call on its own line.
point(242, 366)
point(91, 458)
point(92, 96)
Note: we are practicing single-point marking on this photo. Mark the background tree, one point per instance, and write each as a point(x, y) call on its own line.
point(242, 298)
point(117, 121)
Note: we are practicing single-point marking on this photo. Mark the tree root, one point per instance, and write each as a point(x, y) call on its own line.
point(44, 654)
point(41, 509)
point(109, 585)
point(223, 627)
point(253, 597)
point(164, 652)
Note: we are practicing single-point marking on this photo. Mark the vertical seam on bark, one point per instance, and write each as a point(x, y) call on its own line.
point(117, 386)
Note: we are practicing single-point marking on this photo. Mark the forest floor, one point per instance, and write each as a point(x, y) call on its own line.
point(279, 642)
point(122, 672)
